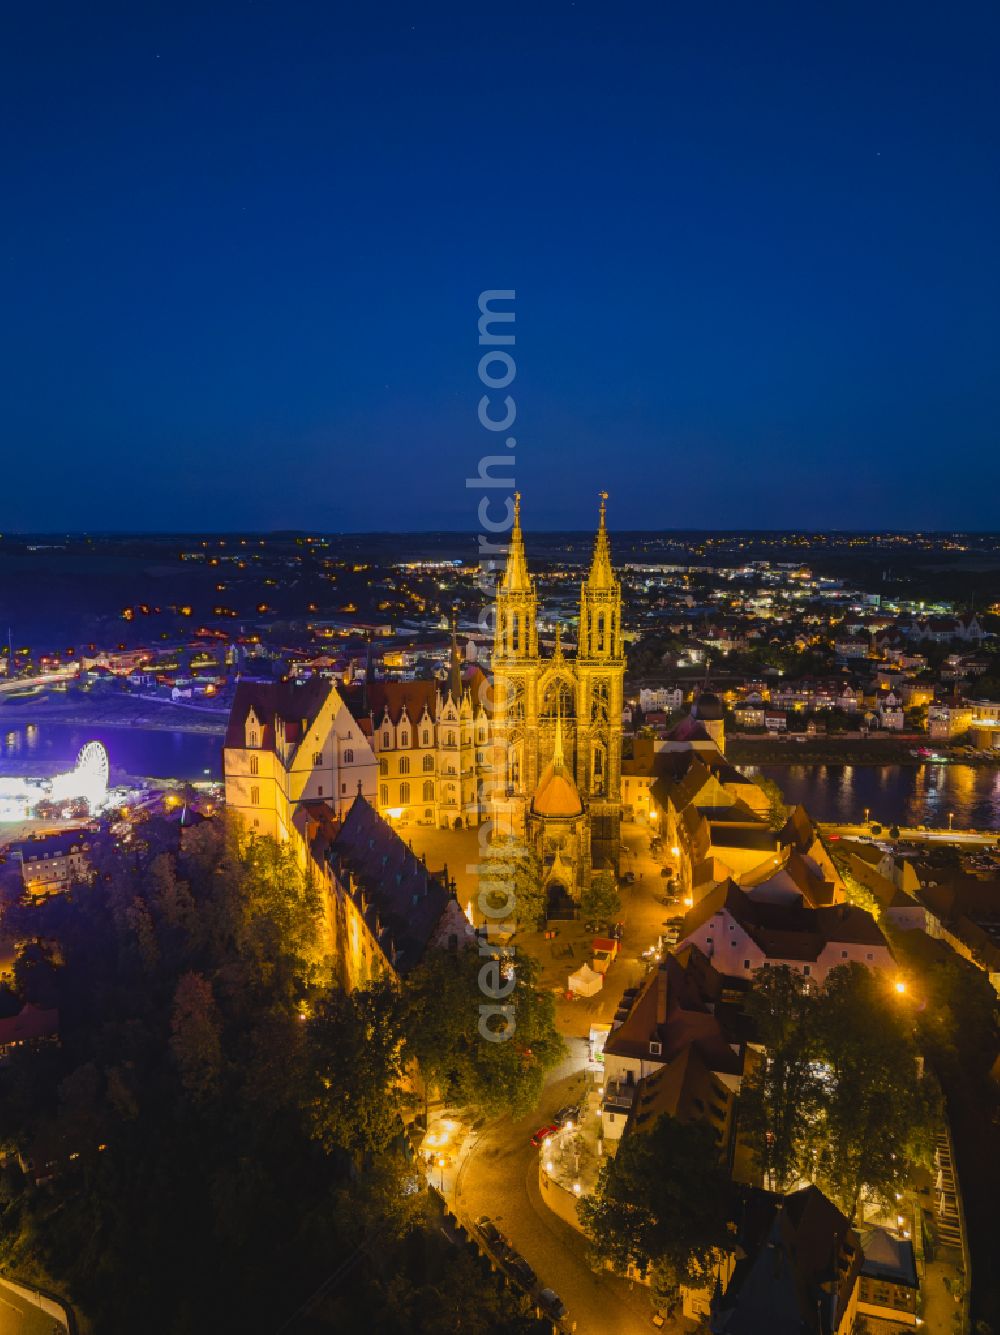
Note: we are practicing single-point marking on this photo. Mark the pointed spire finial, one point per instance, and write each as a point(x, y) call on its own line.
point(601, 573)
point(558, 651)
point(515, 577)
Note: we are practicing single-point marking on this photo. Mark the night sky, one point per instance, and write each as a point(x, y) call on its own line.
point(754, 248)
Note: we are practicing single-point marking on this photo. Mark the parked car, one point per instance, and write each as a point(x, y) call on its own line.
point(520, 1269)
point(550, 1303)
point(491, 1235)
point(542, 1134)
point(571, 1113)
point(628, 878)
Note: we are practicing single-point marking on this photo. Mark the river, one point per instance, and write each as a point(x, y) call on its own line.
point(894, 794)
point(903, 794)
point(38, 750)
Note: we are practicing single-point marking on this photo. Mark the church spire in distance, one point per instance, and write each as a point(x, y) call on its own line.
point(515, 576)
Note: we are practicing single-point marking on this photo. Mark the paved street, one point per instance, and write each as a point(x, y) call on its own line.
point(497, 1174)
point(500, 1178)
point(18, 1317)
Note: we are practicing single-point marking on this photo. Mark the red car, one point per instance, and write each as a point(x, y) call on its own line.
point(542, 1134)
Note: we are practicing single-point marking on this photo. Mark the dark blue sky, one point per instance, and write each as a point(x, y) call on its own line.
point(754, 249)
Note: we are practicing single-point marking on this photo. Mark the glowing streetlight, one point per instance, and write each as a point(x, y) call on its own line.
point(900, 986)
point(951, 820)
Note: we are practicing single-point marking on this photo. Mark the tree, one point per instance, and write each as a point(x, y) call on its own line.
point(212, 1148)
point(600, 899)
point(781, 1093)
point(662, 1201)
point(442, 1001)
point(195, 1039)
point(878, 1111)
point(353, 1064)
point(778, 812)
point(510, 877)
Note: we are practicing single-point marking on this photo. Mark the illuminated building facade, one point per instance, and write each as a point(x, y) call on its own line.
point(432, 742)
point(289, 744)
point(558, 721)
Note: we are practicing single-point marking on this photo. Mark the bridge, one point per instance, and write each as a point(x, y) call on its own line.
point(911, 834)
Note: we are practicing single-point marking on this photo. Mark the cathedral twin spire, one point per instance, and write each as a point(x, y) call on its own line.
point(517, 589)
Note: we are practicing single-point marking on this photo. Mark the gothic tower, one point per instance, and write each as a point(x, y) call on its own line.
point(515, 680)
point(600, 676)
point(557, 721)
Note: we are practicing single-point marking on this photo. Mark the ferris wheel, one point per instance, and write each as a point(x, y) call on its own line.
point(92, 766)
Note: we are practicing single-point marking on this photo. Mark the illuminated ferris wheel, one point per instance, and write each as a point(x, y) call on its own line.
point(92, 765)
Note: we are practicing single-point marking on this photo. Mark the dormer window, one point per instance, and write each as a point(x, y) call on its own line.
point(655, 1047)
point(385, 741)
point(252, 737)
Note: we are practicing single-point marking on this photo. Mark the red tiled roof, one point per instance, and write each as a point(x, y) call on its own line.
point(291, 701)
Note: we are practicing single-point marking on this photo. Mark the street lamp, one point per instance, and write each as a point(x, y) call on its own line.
point(441, 1166)
point(951, 820)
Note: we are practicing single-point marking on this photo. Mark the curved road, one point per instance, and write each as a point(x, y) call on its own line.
point(499, 1178)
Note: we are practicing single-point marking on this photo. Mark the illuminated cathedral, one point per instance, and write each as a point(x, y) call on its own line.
point(558, 721)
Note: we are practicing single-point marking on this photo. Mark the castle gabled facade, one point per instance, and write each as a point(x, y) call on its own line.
point(557, 721)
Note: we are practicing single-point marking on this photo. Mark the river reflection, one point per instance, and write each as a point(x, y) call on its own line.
point(44, 748)
point(894, 794)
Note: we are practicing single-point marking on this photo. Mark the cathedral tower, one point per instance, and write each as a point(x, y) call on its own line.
point(600, 675)
point(515, 680)
point(558, 722)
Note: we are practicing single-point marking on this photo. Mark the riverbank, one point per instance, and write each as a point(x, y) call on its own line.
point(111, 711)
point(798, 749)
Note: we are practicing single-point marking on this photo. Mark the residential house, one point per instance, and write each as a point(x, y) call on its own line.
point(795, 1270)
point(51, 863)
point(677, 1008)
point(741, 934)
point(889, 1288)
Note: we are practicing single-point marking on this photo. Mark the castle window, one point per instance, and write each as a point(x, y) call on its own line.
point(348, 757)
point(404, 793)
point(449, 738)
point(428, 764)
point(426, 738)
point(404, 739)
point(429, 790)
point(383, 766)
point(383, 794)
point(404, 764)
point(321, 790)
point(255, 764)
point(385, 741)
point(252, 739)
point(255, 797)
point(317, 757)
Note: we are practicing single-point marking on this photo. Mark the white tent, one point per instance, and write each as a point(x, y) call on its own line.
point(585, 982)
